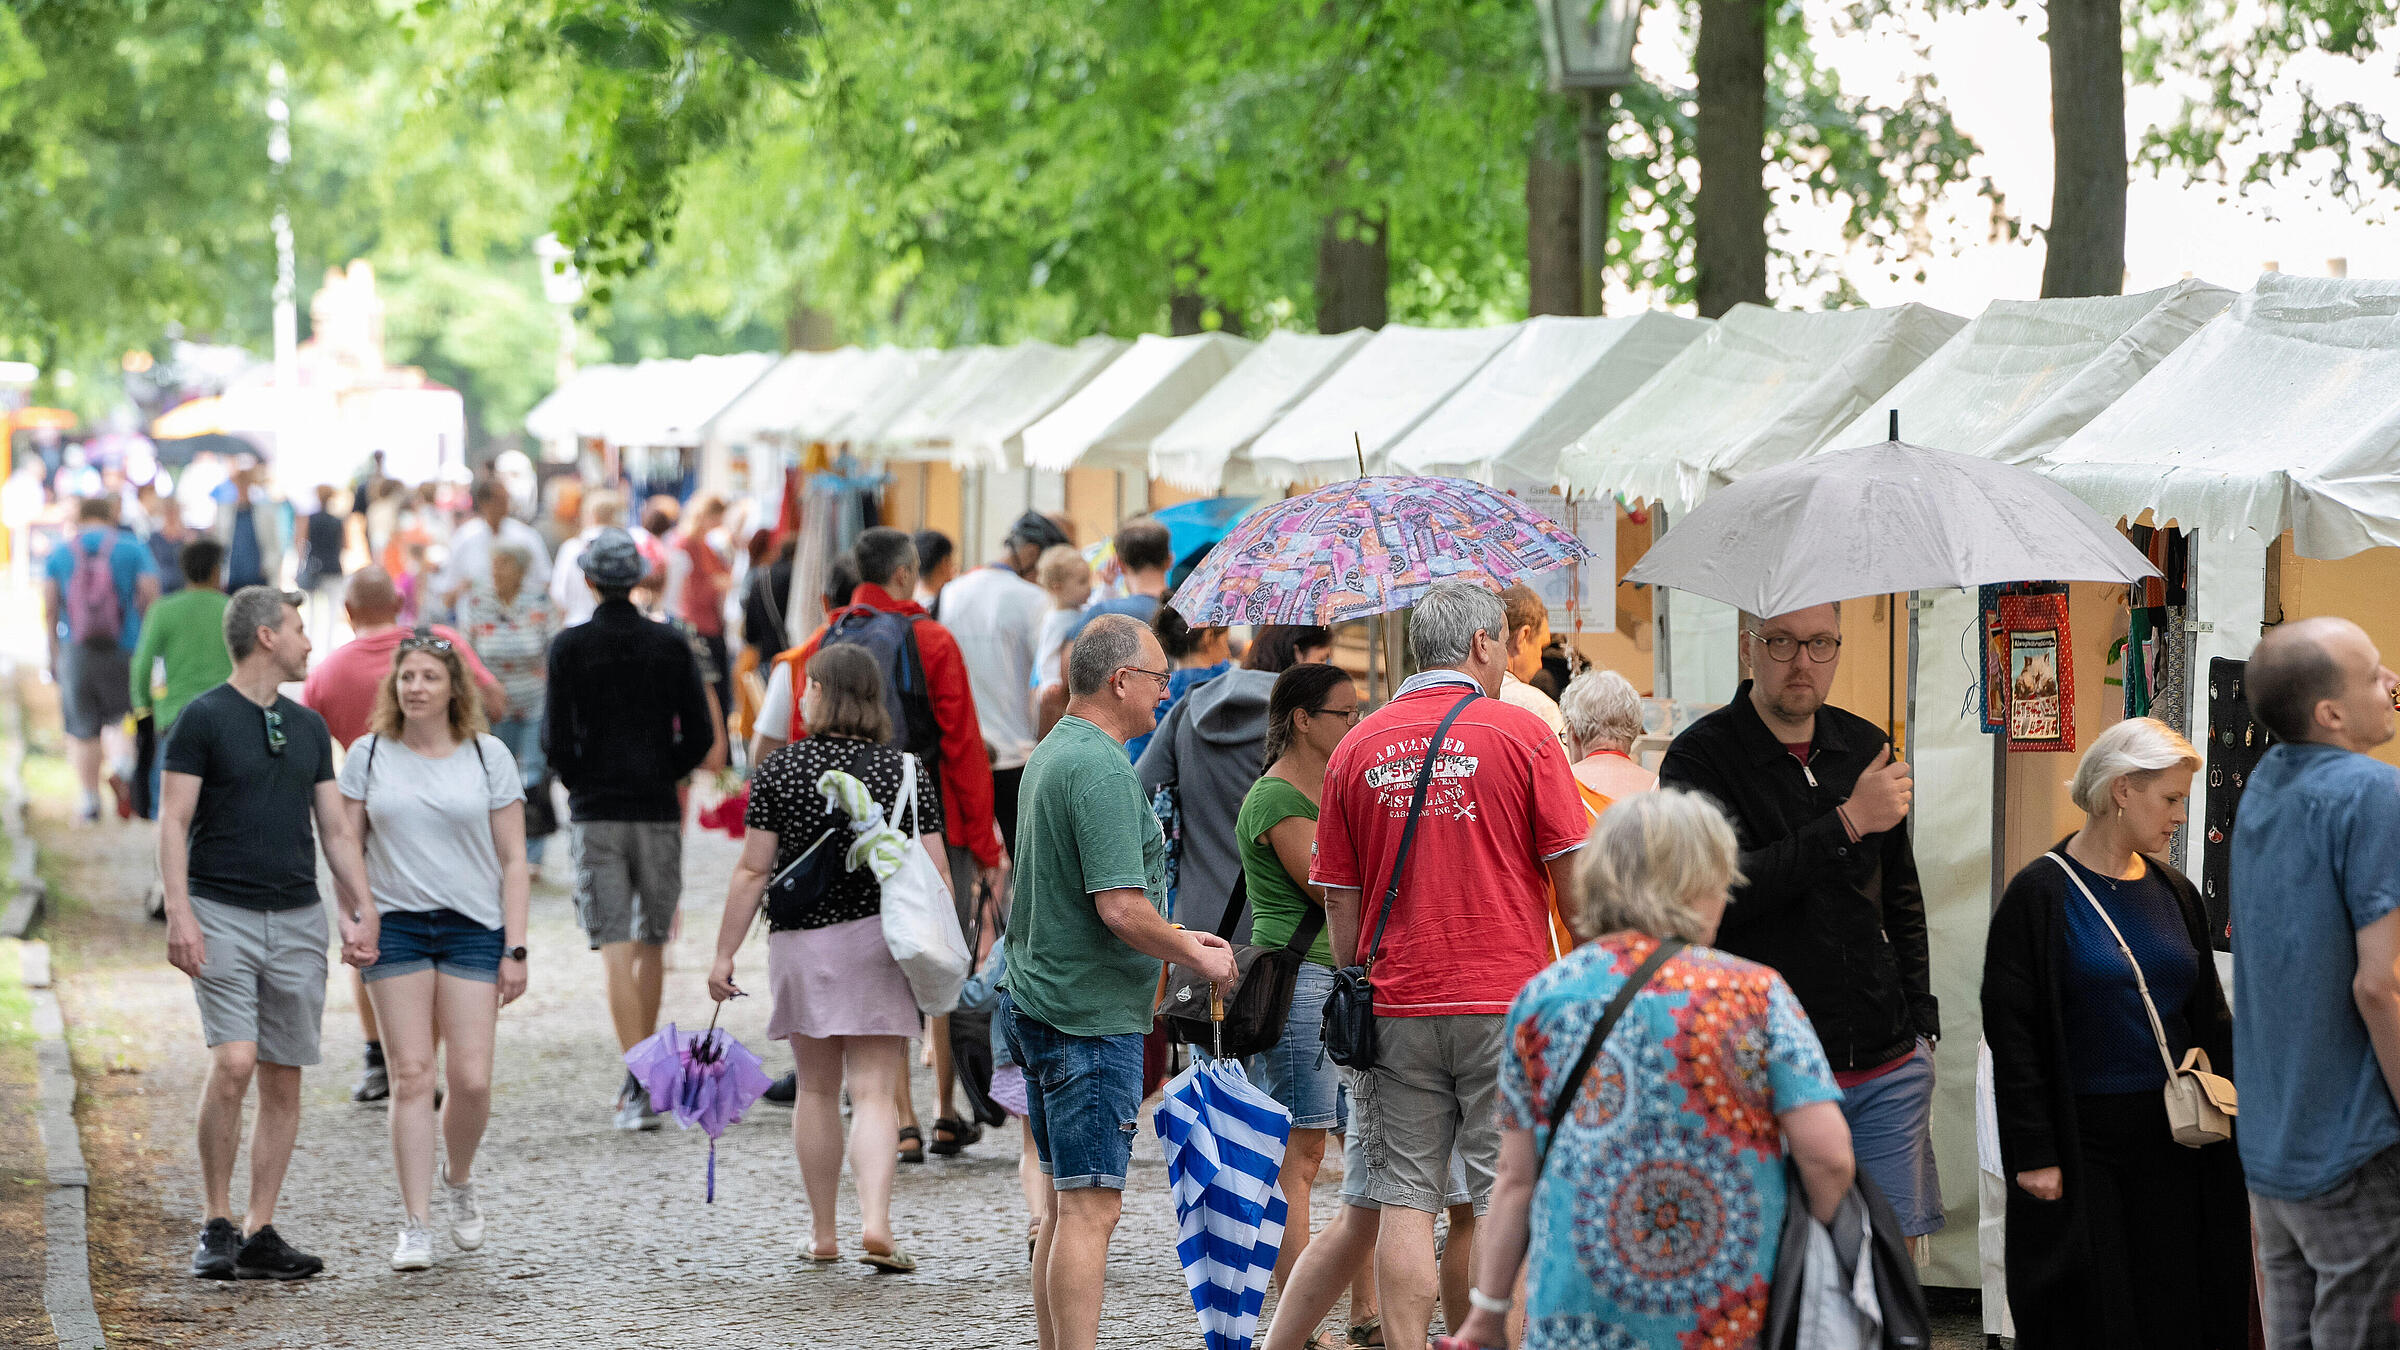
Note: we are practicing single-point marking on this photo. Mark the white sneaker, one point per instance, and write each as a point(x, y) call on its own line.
point(466, 1216)
point(415, 1249)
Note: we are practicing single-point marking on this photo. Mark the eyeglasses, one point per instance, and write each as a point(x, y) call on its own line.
point(1350, 714)
point(275, 738)
point(422, 643)
point(1164, 679)
point(1784, 648)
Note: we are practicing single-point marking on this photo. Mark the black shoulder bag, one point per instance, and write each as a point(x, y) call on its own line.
point(1634, 984)
point(1350, 1006)
point(820, 864)
point(1261, 999)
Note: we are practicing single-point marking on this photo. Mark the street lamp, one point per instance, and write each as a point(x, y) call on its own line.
point(1588, 45)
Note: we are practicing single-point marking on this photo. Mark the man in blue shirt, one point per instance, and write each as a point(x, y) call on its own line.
point(2316, 969)
point(91, 648)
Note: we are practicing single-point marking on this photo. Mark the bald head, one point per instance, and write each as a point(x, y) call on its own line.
point(371, 598)
point(2321, 680)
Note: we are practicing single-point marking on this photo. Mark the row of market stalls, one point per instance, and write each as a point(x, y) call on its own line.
point(2251, 442)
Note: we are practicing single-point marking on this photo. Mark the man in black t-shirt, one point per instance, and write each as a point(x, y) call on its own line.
point(246, 770)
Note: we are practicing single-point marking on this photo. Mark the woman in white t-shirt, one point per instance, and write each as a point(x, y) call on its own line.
point(439, 802)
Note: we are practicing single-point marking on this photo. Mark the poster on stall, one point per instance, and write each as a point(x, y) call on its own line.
point(2041, 673)
point(1584, 595)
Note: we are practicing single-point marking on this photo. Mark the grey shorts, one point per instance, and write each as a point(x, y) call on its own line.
point(95, 687)
point(1354, 1166)
point(628, 879)
point(264, 979)
point(1429, 1096)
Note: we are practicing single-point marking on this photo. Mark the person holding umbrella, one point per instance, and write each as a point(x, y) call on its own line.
point(1831, 899)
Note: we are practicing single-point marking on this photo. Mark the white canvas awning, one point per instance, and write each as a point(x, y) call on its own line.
point(820, 407)
point(1195, 450)
point(1110, 422)
point(765, 409)
point(875, 425)
point(667, 403)
point(1508, 422)
point(2283, 413)
point(986, 428)
point(2027, 374)
point(1762, 387)
point(1378, 396)
point(565, 409)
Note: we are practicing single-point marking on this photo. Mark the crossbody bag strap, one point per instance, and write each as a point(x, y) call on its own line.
point(1304, 933)
point(1233, 906)
point(1633, 985)
point(1408, 834)
point(2157, 1028)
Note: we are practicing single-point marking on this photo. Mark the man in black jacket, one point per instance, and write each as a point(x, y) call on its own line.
point(1830, 899)
point(628, 717)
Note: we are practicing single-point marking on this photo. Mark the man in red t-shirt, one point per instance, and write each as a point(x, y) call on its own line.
point(341, 689)
point(1499, 829)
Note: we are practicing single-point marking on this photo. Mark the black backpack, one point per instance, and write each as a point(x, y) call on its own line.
point(892, 639)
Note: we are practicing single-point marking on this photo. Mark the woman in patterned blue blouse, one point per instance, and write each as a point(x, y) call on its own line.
point(1654, 1219)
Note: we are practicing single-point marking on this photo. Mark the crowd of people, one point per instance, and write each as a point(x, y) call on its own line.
point(1617, 1016)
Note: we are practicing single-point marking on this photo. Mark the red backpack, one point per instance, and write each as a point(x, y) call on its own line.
point(94, 615)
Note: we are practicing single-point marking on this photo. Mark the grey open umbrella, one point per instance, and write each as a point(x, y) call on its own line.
point(1883, 519)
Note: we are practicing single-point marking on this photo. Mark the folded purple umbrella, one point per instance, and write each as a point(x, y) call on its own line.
point(707, 1080)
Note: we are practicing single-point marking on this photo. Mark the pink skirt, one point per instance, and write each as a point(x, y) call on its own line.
point(838, 981)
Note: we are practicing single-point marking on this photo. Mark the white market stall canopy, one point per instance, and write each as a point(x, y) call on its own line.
point(1111, 422)
point(668, 402)
point(2027, 374)
point(766, 408)
point(867, 426)
point(564, 409)
point(1507, 423)
point(1196, 449)
point(1762, 387)
point(986, 429)
point(879, 372)
point(2283, 413)
point(1376, 397)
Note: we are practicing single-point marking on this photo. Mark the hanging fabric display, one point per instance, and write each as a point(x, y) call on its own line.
point(2041, 672)
point(2157, 681)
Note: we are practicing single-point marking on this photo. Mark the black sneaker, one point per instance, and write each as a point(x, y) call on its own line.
point(374, 1083)
point(783, 1091)
point(266, 1256)
point(213, 1258)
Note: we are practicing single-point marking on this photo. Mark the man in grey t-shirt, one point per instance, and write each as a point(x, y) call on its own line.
point(245, 772)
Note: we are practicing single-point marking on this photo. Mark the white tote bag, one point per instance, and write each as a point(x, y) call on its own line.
point(920, 924)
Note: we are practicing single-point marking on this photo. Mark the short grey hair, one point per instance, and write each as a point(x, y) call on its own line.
point(1601, 707)
point(250, 609)
point(515, 551)
point(1649, 858)
point(1442, 629)
point(2137, 745)
point(1106, 645)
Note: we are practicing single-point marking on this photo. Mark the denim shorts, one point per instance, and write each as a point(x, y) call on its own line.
point(1083, 1099)
point(439, 940)
point(1296, 1071)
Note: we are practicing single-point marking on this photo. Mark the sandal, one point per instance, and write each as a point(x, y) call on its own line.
point(1328, 1339)
point(908, 1136)
point(1369, 1332)
point(896, 1261)
point(952, 1136)
point(811, 1255)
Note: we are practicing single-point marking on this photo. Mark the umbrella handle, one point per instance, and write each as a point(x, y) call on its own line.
point(1216, 1020)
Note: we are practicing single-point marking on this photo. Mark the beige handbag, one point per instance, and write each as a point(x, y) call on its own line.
point(2201, 1105)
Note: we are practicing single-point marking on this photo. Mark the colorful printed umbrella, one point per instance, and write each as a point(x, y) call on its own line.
point(1369, 546)
point(707, 1080)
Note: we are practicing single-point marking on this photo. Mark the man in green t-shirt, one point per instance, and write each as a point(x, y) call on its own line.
point(1086, 933)
point(185, 632)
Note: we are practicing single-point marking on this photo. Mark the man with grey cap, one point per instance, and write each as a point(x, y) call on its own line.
point(628, 719)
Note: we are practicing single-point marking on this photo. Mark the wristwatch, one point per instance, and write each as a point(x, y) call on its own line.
point(515, 953)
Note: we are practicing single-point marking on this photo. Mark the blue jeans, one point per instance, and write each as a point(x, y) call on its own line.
point(522, 734)
point(1891, 1132)
point(1296, 1071)
point(439, 940)
point(1083, 1098)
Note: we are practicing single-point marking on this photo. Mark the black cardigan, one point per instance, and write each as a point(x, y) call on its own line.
point(2034, 1091)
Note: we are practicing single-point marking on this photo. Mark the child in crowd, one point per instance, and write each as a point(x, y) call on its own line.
point(1068, 578)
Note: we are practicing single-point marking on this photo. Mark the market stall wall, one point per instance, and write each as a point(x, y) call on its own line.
point(2360, 588)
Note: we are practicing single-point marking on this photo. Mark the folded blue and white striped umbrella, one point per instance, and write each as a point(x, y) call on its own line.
point(1224, 1141)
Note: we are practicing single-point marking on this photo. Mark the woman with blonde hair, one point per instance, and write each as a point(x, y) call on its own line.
point(1651, 1206)
point(2117, 1235)
point(440, 805)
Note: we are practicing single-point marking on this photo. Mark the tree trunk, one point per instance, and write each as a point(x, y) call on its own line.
point(809, 329)
point(1354, 273)
point(2085, 252)
point(1553, 222)
point(1730, 141)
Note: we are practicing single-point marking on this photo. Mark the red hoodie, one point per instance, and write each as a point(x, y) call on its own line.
point(966, 765)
